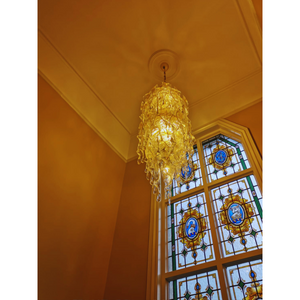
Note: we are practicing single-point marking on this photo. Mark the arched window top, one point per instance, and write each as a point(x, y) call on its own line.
point(223, 156)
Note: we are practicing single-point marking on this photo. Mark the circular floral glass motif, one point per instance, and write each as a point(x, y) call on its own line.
point(186, 175)
point(236, 214)
point(220, 157)
point(191, 228)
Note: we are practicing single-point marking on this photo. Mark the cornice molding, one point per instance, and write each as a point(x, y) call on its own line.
point(227, 87)
point(252, 26)
point(73, 89)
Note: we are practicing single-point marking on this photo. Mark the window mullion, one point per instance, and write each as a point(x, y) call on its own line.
point(164, 246)
point(230, 178)
point(184, 195)
point(242, 257)
point(212, 222)
point(177, 274)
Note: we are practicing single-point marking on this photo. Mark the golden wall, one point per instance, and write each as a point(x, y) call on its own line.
point(79, 186)
point(252, 118)
point(127, 274)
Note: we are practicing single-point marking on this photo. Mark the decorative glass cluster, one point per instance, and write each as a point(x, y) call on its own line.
point(165, 138)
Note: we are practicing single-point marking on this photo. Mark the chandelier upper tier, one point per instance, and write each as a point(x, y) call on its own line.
point(165, 138)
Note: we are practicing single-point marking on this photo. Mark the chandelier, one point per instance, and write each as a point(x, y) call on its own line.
point(165, 138)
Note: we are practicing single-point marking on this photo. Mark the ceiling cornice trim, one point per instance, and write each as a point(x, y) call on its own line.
point(70, 86)
point(252, 26)
point(223, 118)
point(83, 117)
point(79, 76)
point(131, 159)
point(195, 103)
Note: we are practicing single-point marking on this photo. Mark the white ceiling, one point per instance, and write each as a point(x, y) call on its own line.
point(96, 55)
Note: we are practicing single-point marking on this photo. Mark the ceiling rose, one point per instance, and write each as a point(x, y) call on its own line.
point(164, 56)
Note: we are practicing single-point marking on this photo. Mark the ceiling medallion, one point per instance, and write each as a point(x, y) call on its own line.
point(166, 57)
point(165, 138)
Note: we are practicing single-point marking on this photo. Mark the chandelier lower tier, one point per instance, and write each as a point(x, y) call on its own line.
point(165, 138)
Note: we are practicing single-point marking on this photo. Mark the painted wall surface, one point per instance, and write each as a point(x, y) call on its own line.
point(79, 186)
point(258, 8)
point(127, 275)
point(251, 118)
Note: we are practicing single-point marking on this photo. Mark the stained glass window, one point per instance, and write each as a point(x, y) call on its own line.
point(214, 222)
point(223, 156)
point(189, 234)
point(237, 206)
point(245, 280)
point(203, 286)
point(190, 179)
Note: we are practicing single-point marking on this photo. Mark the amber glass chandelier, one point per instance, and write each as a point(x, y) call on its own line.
point(165, 138)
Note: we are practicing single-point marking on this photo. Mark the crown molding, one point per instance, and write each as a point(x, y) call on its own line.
point(251, 24)
point(227, 87)
point(54, 68)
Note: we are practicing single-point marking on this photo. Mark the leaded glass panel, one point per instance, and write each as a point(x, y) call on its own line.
point(190, 179)
point(189, 234)
point(223, 156)
point(204, 286)
point(245, 280)
point(238, 209)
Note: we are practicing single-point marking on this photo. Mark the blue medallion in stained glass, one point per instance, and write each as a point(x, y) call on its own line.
point(186, 175)
point(220, 157)
point(190, 177)
point(236, 214)
point(191, 228)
